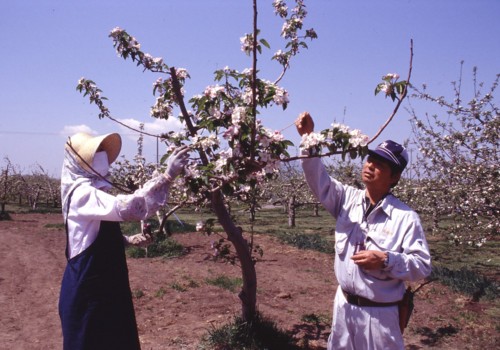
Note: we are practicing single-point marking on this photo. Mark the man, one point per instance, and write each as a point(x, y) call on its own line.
point(379, 244)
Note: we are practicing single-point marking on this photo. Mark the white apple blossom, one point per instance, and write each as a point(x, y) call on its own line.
point(162, 109)
point(277, 136)
point(200, 226)
point(149, 61)
point(238, 115)
point(246, 43)
point(264, 157)
point(340, 127)
point(311, 140)
point(264, 140)
point(281, 57)
point(191, 171)
point(391, 76)
point(214, 91)
point(358, 138)
point(281, 96)
point(215, 113)
point(116, 31)
point(246, 96)
point(280, 8)
point(133, 44)
point(247, 71)
point(181, 73)
point(272, 166)
point(231, 132)
point(158, 86)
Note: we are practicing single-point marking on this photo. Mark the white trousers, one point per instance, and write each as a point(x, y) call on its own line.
point(364, 328)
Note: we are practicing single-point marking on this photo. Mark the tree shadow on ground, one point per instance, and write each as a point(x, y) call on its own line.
point(433, 337)
point(309, 332)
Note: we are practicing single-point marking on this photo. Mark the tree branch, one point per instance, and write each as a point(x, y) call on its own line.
point(391, 117)
point(400, 99)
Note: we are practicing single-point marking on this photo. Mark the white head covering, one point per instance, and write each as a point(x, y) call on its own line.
point(75, 172)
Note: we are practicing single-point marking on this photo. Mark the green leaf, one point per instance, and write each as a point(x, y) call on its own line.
point(265, 43)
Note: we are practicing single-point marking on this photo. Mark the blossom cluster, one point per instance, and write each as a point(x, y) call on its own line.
point(389, 80)
point(312, 140)
point(162, 109)
point(338, 138)
point(88, 87)
point(291, 30)
point(126, 45)
point(391, 87)
point(280, 8)
point(247, 43)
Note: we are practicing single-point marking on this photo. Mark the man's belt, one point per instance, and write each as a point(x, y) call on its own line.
point(360, 301)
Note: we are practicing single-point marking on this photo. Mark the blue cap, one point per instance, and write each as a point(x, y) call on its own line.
point(393, 152)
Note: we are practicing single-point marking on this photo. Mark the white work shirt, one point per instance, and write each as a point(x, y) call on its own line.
point(89, 206)
point(390, 227)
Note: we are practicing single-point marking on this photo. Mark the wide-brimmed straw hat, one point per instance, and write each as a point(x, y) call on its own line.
point(84, 146)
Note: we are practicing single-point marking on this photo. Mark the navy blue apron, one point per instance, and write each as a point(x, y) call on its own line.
point(95, 303)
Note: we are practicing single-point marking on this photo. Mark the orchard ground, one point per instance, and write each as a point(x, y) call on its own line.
point(175, 306)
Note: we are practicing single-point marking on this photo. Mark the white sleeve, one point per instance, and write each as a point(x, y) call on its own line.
point(414, 262)
point(144, 202)
point(326, 189)
point(90, 203)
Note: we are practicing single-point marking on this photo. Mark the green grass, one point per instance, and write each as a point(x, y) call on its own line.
point(467, 281)
point(42, 208)
point(310, 241)
point(260, 334)
point(59, 226)
point(165, 248)
point(225, 282)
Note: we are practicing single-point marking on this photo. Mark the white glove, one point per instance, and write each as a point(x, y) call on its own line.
point(139, 239)
point(176, 162)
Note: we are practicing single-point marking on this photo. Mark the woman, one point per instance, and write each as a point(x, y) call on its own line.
point(95, 303)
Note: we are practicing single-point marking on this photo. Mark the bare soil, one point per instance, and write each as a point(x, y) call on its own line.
point(175, 306)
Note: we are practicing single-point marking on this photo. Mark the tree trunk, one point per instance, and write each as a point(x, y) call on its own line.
point(316, 210)
point(248, 294)
point(291, 211)
point(252, 212)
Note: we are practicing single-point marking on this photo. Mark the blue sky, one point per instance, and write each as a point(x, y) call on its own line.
point(48, 45)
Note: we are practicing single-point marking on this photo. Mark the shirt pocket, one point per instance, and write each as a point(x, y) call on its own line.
point(383, 240)
point(343, 230)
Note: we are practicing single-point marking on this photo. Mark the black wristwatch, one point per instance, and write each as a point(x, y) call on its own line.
point(386, 261)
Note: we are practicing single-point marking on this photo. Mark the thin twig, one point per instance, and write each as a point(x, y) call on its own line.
point(134, 129)
point(254, 82)
point(286, 127)
point(400, 99)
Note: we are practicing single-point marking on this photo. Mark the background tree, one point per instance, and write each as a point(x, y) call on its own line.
point(9, 184)
point(290, 190)
point(457, 167)
point(39, 187)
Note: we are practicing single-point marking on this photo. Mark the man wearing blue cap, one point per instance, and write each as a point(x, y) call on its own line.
point(379, 244)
